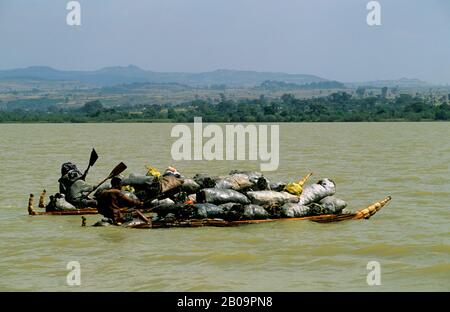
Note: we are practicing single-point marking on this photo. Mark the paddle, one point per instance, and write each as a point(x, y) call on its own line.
point(93, 158)
point(116, 171)
point(143, 217)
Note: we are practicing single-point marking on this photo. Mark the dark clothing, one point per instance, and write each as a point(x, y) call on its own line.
point(69, 178)
point(72, 184)
point(110, 201)
point(64, 184)
point(76, 189)
point(84, 203)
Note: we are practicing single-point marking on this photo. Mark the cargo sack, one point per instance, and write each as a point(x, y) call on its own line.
point(270, 198)
point(78, 190)
point(227, 212)
point(226, 182)
point(332, 204)
point(315, 192)
point(221, 196)
point(229, 206)
point(180, 197)
point(190, 186)
point(235, 182)
point(179, 211)
point(254, 212)
point(207, 210)
point(204, 180)
point(162, 205)
point(232, 211)
point(315, 210)
point(252, 175)
point(136, 179)
point(170, 184)
point(185, 212)
point(62, 204)
point(58, 202)
point(169, 218)
point(277, 186)
point(292, 210)
point(146, 187)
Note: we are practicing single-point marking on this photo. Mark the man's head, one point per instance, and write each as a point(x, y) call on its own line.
point(66, 167)
point(116, 182)
point(171, 171)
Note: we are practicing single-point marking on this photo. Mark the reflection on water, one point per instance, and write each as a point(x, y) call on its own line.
point(409, 237)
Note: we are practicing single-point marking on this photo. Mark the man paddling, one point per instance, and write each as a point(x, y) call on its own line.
point(110, 201)
point(73, 185)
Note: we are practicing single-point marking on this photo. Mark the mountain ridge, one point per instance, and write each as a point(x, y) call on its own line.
point(115, 75)
point(108, 76)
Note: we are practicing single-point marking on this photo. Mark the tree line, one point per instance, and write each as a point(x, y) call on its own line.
point(337, 107)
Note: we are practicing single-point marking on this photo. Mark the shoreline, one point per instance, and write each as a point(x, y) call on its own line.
point(225, 122)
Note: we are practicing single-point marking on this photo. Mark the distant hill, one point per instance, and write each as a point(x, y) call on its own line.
point(132, 74)
point(281, 85)
point(403, 83)
point(145, 86)
point(221, 78)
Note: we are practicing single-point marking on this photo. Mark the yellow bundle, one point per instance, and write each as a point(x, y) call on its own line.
point(128, 188)
point(151, 171)
point(296, 188)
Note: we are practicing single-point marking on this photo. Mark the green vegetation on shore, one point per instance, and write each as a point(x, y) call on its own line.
point(337, 107)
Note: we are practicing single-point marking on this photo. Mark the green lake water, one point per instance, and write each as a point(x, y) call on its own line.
point(410, 237)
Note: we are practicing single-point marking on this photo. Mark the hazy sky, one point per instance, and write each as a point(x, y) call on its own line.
point(329, 38)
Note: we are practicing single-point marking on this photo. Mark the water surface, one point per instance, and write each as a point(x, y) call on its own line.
point(410, 237)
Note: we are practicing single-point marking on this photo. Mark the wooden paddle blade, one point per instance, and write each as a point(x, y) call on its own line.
point(93, 159)
point(117, 170)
